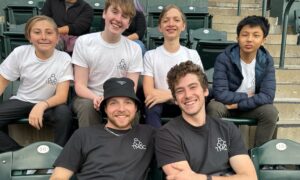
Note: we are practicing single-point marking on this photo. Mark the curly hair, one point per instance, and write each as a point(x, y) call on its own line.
point(180, 70)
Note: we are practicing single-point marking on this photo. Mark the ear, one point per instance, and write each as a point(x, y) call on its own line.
point(206, 92)
point(104, 14)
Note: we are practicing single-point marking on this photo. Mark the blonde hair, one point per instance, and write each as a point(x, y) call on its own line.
point(31, 22)
point(127, 6)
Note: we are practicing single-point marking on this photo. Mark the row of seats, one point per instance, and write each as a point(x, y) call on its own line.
point(276, 159)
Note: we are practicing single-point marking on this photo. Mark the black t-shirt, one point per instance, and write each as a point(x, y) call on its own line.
point(94, 153)
point(207, 149)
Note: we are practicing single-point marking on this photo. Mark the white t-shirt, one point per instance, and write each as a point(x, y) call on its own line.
point(38, 78)
point(105, 60)
point(158, 62)
point(248, 71)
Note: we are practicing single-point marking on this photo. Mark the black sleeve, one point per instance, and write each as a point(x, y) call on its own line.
point(71, 157)
point(46, 10)
point(237, 145)
point(168, 148)
point(83, 22)
point(140, 23)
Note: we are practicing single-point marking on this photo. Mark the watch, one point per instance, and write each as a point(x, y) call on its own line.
point(208, 177)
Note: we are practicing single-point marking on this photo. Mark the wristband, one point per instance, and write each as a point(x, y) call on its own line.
point(208, 177)
point(46, 103)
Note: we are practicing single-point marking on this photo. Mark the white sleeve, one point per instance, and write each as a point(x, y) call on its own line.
point(67, 70)
point(9, 68)
point(148, 64)
point(78, 56)
point(197, 59)
point(136, 65)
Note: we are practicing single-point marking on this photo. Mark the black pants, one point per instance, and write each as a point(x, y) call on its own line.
point(59, 117)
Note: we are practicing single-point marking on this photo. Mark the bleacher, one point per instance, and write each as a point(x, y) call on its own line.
point(209, 32)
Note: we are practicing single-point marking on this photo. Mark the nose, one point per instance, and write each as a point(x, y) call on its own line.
point(43, 35)
point(171, 22)
point(250, 38)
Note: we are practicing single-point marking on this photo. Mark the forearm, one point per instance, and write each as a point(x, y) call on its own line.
point(133, 36)
point(3, 84)
point(84, 92)
point(63, 30)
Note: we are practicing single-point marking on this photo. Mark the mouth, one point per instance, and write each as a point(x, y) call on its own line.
point(116, 25)
point(248, 46)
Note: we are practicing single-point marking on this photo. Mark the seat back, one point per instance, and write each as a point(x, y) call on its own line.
point(209, 50)
point(33, 162)
point(98, 21)
point(205, 34)
point(277, 159)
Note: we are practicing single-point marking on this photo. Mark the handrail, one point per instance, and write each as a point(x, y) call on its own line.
point(239, 8)
point(264, 8)
point(284, 33)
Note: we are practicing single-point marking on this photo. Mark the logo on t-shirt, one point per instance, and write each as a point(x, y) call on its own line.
point(221, 145)
point(137, 144)
point(52, 80)
point(123, 67)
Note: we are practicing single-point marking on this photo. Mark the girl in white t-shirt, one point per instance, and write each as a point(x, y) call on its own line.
point(44, 74)
point(159, 61)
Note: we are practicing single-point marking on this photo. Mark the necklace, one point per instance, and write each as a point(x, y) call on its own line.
point(111, 132)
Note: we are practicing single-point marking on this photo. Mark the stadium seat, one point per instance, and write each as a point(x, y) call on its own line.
point(277, 159)
point(206, 34)
point(34, 161)
point(98, 21)
point(155, 38)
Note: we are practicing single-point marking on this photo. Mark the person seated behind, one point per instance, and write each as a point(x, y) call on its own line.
point(244, 79)
point(102, 55)
point(137, 26)
point(158, 62)
point(45, 75)
point(117, 149)
point(195, 145)
point(73, 17)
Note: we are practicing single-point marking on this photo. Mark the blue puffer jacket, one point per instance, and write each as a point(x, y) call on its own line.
point(228, 78)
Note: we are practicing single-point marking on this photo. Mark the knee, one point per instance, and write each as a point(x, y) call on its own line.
point(63, 114)
point(81, 105)
point(157, 109)
point(269, 112)
point(216, 109)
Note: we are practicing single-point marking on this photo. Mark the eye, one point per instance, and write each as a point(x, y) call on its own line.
point(178, 91)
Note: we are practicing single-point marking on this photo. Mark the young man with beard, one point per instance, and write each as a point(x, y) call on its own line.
point(102, 55)
point(116, 150)
point(195, 146)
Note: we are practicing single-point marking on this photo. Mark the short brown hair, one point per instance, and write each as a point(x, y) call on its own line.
point(31, 22)
point(168, 8)
point(180, 70)
point(127, 6)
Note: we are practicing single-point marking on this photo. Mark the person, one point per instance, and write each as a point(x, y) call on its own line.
point(137, 26)
point(157, 63)
point(116, 150)
point(45, 74)
point(196, 146)
point(244, 79)
point(73, 17)
point(99, 56)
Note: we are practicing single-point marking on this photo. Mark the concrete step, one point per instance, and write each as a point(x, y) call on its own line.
point(288, 76)
point(291, 51)
point(291, 132)
point(235, 1)
point(288, 109)
point(231, 28)
point(234, 4)
point(290, 63)
point(291, 39)
point(233, 11)
point(219, 19)
point(287, 91)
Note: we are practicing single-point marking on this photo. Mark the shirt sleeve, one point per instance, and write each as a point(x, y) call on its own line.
point(10, 69)
point(148, 65)
point(237, 145)
point(136, 65)
point(168, 148)
point(78, 56)
point(67, 70)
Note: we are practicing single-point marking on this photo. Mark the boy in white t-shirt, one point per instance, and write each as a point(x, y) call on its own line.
point(244, 79)
point(102, 55)
point(45, 75)
point(158, 62)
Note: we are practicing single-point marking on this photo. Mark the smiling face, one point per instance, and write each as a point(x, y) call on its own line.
point(172, 24)
point(120, 112)
point(190, 96)
point(44, 37)
point(116, 21)
point(250, 39)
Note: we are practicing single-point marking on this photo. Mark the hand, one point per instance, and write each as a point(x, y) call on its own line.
point(157, 97)
point(231, 106)
point(97, 101)
point(185, 174)
point(250, 94)
point(36, 115)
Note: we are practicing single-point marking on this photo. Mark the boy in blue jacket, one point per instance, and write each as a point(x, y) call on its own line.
point(244, 82)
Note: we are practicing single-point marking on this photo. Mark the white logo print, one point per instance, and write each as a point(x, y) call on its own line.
point(121, 82)
point(221, 145)
point(137, 144)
